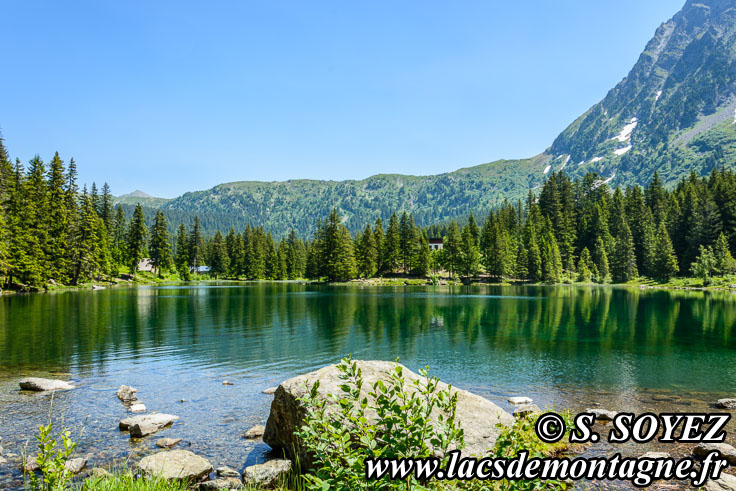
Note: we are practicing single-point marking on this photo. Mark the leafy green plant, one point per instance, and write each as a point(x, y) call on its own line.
point(521, 436)
point(119, 479)
point(391, 419)
point(51, 460)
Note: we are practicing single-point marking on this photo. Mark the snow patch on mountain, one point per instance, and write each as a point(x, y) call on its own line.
point(625, 134)
point(622, 151)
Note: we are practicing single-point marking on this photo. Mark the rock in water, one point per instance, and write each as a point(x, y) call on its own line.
point(255, 433)
point(145, 424)
point(656, 455)
point(167, 442)
point(726, 403)
point(127, 394)
point(176, 464)
point(138, 407)
point(266, 475)
point(519, 400)
point(477, 416)
point(727, 451)
point(270, 391)
point(75, 466)
point(44, 384)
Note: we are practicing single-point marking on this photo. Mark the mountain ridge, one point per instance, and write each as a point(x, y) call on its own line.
point(674, 112)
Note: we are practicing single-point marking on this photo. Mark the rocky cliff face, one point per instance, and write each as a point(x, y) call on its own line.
point(674, 111)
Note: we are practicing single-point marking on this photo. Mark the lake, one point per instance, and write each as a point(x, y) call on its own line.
point(566, 347)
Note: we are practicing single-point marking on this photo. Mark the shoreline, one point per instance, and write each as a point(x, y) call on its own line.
point(685, 283)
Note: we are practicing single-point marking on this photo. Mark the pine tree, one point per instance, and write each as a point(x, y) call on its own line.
point(378, 238)
point(366, 253)
point(665, 261)
point(58, 222)
point(181, 259)
point(136, 238)
point(106, 207)
point(219, 259)
point(159, 248)
point(85, 259)
point(584, 266)
point(196, 247)
point(119, 238)
point(337, 250)
point(392, 245)
point(623, 260)
point(451, 248)
point(551, 262)
point(423, 260)
point(725, 263)
point(469, 257)
point(600, 258)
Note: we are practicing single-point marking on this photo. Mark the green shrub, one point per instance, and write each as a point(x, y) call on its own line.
point(51, 460)
point(341, 437)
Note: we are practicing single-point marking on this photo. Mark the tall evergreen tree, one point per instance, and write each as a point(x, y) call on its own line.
point(137, 234)
point(181, 259)
point(159, 249)
point(665, 262)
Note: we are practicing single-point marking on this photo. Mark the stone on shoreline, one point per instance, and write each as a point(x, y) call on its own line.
point(75, 466)
point(526, 410)
point(225, 382)
point(727, 451)
point(255, 433)
point(226, 471)
point(270, 391)
point(222, 483)
point(477, 416)
point(176, 464)
point(127, 394)
point(266, 475)
point(37, 384)
point(167, 442)
point(30, 464)
point(726, 403)
point(519, 400)
point(602, 414)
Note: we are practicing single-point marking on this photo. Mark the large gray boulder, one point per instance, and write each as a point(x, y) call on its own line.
point(127, 394)
point(266, 475)
point(477, 416)
point(176, 464)
point(44, 384)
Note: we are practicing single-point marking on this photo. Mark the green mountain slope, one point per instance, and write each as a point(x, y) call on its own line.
point(141, 197)
point(674, 112)
point(280, 206)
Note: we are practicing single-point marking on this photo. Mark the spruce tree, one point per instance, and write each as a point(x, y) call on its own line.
point(725, 263)
point(58, 222)
point(136, 238)
point(367, 253)
point(469, 257)
point(219, 259)
point(600, 258)
point(423, 261)
point(623, 260)
point(392, 245)
point(181, 259)
point(378, 238)
point(159, 248)
point(584, 263)
point(451, 248)
point(196, 246)
point(665, 261)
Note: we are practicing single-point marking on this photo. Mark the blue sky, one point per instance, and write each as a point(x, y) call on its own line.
point(170, 97)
